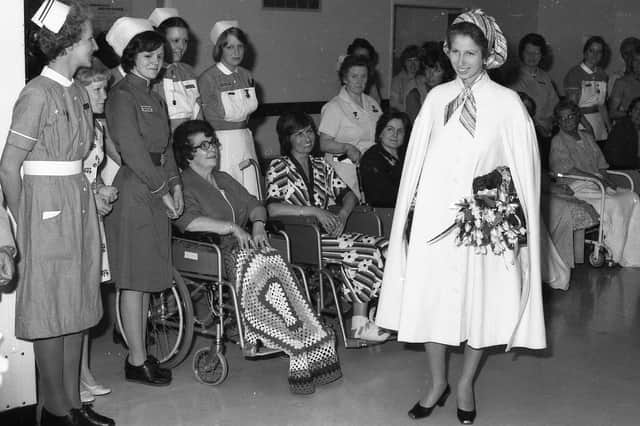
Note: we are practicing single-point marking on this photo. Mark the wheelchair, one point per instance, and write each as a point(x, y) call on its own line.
point(599, 254)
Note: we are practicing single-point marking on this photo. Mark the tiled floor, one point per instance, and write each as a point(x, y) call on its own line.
point(589, 375)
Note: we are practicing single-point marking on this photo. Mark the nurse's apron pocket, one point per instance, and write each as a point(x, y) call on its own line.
point(181, 98)
point(239, 104)
point(52, 239)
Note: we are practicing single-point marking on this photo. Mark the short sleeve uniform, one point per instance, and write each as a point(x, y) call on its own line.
point(592, 86)
point(348, 122)
point(179, 89)
point(540, 87)
point(228, 99)
point(57, 223)
point(138, 229)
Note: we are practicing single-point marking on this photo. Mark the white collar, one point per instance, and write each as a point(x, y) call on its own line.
point(345, 95)
point(122, 71)
point(586, 69)
point(56, 76)
point(225, 70)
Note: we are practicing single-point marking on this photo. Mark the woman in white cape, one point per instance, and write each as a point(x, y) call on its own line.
point(439, 293)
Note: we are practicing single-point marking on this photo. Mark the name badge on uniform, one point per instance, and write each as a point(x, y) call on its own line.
point(189, 86)
point(86, 106)
point(146, 108)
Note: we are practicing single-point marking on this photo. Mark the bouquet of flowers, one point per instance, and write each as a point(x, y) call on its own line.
point(492, 217)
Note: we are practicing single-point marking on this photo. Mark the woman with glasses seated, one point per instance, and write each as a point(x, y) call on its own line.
point(274, 308)
point(303, 185)
point(575, 152)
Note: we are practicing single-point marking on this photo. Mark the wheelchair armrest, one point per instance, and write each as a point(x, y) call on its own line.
point(577, 177)
point(625, 175)
point(279, 222)
point(201, 237)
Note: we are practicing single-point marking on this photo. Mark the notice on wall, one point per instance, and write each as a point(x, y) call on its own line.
point(105, 12)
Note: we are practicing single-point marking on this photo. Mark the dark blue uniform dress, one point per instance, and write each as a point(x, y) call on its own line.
point(138, 229)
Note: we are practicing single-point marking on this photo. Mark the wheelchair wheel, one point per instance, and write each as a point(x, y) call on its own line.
point(170, 324)
point(210, 368)
point(597, 257)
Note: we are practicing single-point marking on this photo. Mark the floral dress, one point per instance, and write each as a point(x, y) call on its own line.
point(360, 256)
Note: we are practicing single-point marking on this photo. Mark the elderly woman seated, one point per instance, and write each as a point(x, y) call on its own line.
point(301, 184)
point(575, 152)
point(274, 310)
point(381, 165)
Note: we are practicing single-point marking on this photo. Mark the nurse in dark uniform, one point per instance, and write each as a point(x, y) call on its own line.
point(58, 295)
point(138, 229)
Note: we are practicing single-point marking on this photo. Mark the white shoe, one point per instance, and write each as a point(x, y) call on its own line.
point(371, 333)
point(86, 396)
point(95, 390)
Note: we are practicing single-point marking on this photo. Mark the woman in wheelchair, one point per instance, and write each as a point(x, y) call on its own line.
point(274, 308)
point(574, 151)
point(303, 185)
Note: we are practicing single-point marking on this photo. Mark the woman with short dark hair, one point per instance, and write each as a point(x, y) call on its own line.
point(381, 165)
point(362, 47)
point(437, 70)
point(58, 238)
point(228, 98)
point(301, 184)
point(150, 193)
point(536, 82)
point(409, 77)
point(216, 203)
point(348, 121)
point(586, 85)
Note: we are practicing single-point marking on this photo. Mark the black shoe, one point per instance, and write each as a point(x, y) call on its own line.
point(146, 374)
point(420, 412)
point(48, 419)
point(466, 417)
point(94, 418)
point(164, 372)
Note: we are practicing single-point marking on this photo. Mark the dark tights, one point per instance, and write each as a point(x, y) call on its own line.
point(58, 362)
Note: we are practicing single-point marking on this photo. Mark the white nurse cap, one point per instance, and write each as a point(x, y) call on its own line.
point(161, 14)
point(220, 27)
point(51, 15)
point(123, 30)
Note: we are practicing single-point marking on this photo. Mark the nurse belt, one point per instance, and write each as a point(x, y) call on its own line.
point(52, 168)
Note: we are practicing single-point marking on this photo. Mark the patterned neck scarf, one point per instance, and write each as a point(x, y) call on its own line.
point(468, 102)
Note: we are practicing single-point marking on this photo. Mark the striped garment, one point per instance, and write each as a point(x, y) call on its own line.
point(360, 256)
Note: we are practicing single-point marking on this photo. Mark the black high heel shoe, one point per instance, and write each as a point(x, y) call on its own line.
point(420, 412)
point(466, 417)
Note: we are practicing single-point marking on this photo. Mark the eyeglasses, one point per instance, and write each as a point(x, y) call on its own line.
point(568, 117)
point(208, 145)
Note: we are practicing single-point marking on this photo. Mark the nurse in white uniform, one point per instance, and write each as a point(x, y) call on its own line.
point(178, 86)
point(348, 122)
point(228, 98)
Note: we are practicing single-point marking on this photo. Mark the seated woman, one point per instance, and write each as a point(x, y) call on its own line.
point(304, 185)
point(621, 150)
point(575, 152)
point(274, 309)
point(381, 165)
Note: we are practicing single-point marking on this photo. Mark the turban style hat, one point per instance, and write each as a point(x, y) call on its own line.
point(493, 33)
